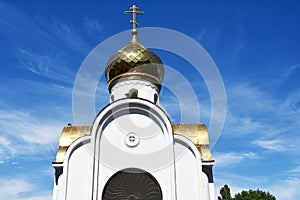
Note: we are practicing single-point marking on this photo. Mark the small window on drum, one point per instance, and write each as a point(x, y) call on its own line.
point(155, 98)
point(132, 184)
point(133, 93)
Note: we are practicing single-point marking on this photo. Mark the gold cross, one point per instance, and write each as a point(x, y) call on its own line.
point(134, 12)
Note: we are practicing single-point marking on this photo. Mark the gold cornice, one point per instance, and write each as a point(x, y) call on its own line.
point(68, 135)
point(197, 133)
point(61, 153)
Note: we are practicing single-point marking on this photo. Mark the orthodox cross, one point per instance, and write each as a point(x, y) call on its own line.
point(134, 11)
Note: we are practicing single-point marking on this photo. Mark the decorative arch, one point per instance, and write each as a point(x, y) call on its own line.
point(132, 184)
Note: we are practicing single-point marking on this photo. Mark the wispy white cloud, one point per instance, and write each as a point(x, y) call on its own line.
point(232, 158)
point(42, 196)
point(237, 183)
point(252, 111)
point(37, 97)
point(67, 34)
point(47, 171)
point(26, 127)
point(200, 34)
point(93, 26)
point(37, 88)
point(51, 66)
point(240, 126)
point(295, 170)
point(287, 189)
point(5, 146)
point(19, 189)
point(290, 107)
point(25, 135)
point(14, 188)
point(15, 20)
point(291, 69)
point(245, 98)
point(276, 145)
point(48, 40)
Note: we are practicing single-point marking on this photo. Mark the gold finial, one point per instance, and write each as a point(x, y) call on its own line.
point(134, 12)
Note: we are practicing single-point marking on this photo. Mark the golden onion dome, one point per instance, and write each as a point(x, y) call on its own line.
point(134, 62)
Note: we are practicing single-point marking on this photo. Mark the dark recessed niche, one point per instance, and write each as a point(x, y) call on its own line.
point(132, 184)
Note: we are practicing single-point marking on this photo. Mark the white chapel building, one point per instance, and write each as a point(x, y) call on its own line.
point(132, 151)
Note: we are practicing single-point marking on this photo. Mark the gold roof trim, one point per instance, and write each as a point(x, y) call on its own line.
point(197, 133)
point(61, 153)
point(68, 135)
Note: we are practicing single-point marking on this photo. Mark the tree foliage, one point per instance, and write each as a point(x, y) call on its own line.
point(245, 195)
point(254, 195)
point(225, 193)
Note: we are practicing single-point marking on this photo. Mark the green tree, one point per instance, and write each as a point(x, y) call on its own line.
point(254, 195)
point(225, 193)
point(245, 195)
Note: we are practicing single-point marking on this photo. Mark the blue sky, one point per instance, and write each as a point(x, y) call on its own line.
point(255, 45)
